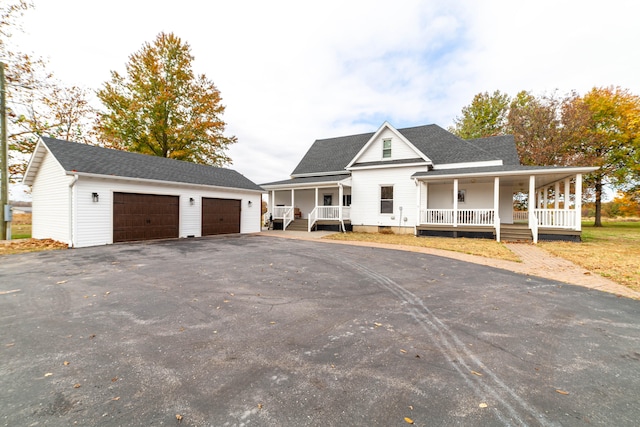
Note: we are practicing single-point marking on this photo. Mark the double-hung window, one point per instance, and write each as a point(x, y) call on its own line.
point(386, 199)
point(386, 148)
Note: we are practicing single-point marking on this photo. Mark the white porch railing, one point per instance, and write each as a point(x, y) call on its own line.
point(556, 218)
point(457, 217)
point(328, 213)
point(285, 213)
point(520, 216)
point(279, 211)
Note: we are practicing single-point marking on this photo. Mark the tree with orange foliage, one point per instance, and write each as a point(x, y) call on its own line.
point(160, 107)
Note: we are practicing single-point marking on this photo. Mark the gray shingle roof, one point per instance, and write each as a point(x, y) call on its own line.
point(439, 145)
point(331, 155)
point(310, 180)
point(503, 146)
point(91, 159)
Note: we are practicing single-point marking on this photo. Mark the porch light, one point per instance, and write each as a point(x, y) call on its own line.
point(95, 197)
point(250, 203)
point(192, 201)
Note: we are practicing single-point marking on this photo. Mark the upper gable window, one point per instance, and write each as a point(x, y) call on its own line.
point(386, 148)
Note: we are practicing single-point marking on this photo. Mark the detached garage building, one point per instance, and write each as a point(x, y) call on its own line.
point(86, 195)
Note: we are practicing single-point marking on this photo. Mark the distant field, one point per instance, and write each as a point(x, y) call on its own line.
point(21, 226)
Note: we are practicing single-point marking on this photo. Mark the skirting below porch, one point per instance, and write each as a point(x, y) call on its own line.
point(461, 231)
point(509, 232)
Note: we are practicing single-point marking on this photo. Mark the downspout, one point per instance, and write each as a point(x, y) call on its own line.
point(71, 233)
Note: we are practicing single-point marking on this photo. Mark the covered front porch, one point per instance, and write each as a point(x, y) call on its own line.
point(312, 206)
point(481, 204)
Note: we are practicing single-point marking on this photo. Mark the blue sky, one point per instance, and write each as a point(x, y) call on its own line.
point(291, 71)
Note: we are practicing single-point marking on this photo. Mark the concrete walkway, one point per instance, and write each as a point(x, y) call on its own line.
point(535, 261)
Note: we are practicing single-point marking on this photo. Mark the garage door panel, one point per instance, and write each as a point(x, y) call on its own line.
point(145, 216)
point(220, 216)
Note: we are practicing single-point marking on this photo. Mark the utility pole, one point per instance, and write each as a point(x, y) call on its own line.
point(4, 160)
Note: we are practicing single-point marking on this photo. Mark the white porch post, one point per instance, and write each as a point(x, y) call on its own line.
point(533, 195)
point(556, 196)
point(578, 202)
point(293, 198)
point(340, 195)
point(545, 197)
point(418, 193)
point(316, 202)
point(496, 206)
point(567, 191)
point(455, 202)
point(272, 201)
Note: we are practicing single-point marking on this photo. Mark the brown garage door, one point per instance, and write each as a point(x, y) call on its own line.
point(145, 217)
point(220, 216)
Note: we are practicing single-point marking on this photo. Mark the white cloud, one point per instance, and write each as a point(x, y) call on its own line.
point(292, 71)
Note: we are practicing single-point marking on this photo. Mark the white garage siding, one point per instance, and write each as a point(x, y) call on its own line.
point(50, 195)
point(95, 219)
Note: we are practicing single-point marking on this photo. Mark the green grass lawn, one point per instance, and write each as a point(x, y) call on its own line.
point(613, 251)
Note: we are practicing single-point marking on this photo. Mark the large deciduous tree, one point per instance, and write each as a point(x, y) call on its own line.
point(37, 104)
point(485, 116)
point(160, 107)
point(609, 137)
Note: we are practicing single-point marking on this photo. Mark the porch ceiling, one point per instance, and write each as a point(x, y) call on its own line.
point(508, 176)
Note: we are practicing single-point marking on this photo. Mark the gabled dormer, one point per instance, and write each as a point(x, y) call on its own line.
point(387, 147)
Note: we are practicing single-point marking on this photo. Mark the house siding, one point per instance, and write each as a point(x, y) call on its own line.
point(365, 208)
point(50, 198)
point(399, 149)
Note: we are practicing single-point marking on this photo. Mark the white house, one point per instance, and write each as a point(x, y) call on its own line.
point(426, 181)
point(86, 195)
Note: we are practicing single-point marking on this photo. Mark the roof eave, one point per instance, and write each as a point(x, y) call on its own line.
point(524, 172)
point(158, 181)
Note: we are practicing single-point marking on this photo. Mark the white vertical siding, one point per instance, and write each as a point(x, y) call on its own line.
point(399, 150)
point(477, 196)
point(506, 204)
point(365, 208)
point(50, 195)
point(93, 220)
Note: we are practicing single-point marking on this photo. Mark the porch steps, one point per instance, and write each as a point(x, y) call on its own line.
point(515, 233)
point(299, 225)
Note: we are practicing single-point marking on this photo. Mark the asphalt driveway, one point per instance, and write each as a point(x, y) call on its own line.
point(260, 331)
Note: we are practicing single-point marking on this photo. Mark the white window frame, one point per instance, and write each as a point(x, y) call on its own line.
point(387, 200)
point(386, 151)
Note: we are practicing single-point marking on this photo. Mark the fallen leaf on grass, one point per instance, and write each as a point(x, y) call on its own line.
point(403, 351)
point(408, 420)
point(77, 385)
point(482, 405)
point(562, 392)
point(114, 379)
point(31, 245)
point(259, 405)
point(178, 417)
point(376, 324)
point(476, 373)
point(116, 398)
point(48, 374)
point(61, 282)
point(66, 363)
